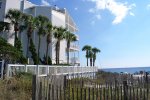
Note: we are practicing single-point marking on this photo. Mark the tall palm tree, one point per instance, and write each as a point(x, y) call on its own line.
point(41, 22)
point(95, 51)
point(86, 48)
point(59, 35)
point(70, 37)
point(49, 30)
point(30, 23)
point(15, 17)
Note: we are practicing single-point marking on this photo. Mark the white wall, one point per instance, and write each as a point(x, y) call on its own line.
point(12, 4)
point(2, 10)
point(26, 6)
point(6, 5)
point(58, 19)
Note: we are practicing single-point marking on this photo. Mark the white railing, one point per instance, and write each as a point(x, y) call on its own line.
point(74, 60)
point(74, 47)
point(44, 70)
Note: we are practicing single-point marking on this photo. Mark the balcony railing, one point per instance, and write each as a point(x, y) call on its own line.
point(74, 60)
point(44, 70)
point(74, 47)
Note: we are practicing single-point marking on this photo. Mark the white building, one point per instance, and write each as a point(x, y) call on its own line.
point(58, 17)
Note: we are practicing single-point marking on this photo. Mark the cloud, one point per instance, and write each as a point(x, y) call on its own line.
point(148, 6)
point(93, 22)
point(91, 10)
point(45, 3)
point(132, 14)
point(118, 9)
point(95, 18)
point(98, 16)
point(75, 8)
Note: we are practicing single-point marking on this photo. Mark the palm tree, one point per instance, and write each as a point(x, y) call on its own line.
point(30, 23)
point(41, 22)
point(15, 17)
point(87, 48)
point(95, 51)
point(49, 30)
point(70, 37)
point(59, 35)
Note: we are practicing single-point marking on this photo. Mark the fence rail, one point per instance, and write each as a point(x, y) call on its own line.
point(44, 70)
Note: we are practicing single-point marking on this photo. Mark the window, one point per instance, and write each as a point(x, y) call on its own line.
point(0, 4)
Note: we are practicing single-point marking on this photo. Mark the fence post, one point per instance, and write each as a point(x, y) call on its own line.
point(89, 94)
point(37, 70)
point(8, 69)
point(40, 92)
point(125, 90)
point(2, 69)
point(47, 70)
point(34, 88)
point(65, 81)
point(147, 86)
point(26, 69)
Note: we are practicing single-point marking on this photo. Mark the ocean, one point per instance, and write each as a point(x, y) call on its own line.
point(128, 70)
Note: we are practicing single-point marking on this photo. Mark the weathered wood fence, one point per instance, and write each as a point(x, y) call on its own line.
point(82, 88)
point(1, 69)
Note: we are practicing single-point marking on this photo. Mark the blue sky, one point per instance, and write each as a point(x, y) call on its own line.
point(120, 28)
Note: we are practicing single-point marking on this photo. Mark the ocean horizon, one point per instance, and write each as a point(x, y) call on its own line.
point(128, 70)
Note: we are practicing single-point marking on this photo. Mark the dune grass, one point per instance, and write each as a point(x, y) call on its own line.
point(16, 88)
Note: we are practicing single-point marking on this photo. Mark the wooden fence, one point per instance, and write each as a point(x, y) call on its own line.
point(1, 69)
point(82, 88)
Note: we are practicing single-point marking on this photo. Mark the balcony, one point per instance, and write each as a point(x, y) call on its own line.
point(74, 47)
point(74, 60)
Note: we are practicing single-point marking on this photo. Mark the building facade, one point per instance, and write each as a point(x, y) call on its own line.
point(58, 17)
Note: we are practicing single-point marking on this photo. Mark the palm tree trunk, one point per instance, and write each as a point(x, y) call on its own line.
point(39, 48)
point(27, 54)
point(87, 61)
point(93, 62)
point(90, 61)
point(47, 53)
point(15, 38)
point(16, 33)
point(68, 46)
point(58, 51)
point(68, 56)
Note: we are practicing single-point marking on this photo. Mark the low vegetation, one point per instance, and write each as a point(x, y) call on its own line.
point(16, 88)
